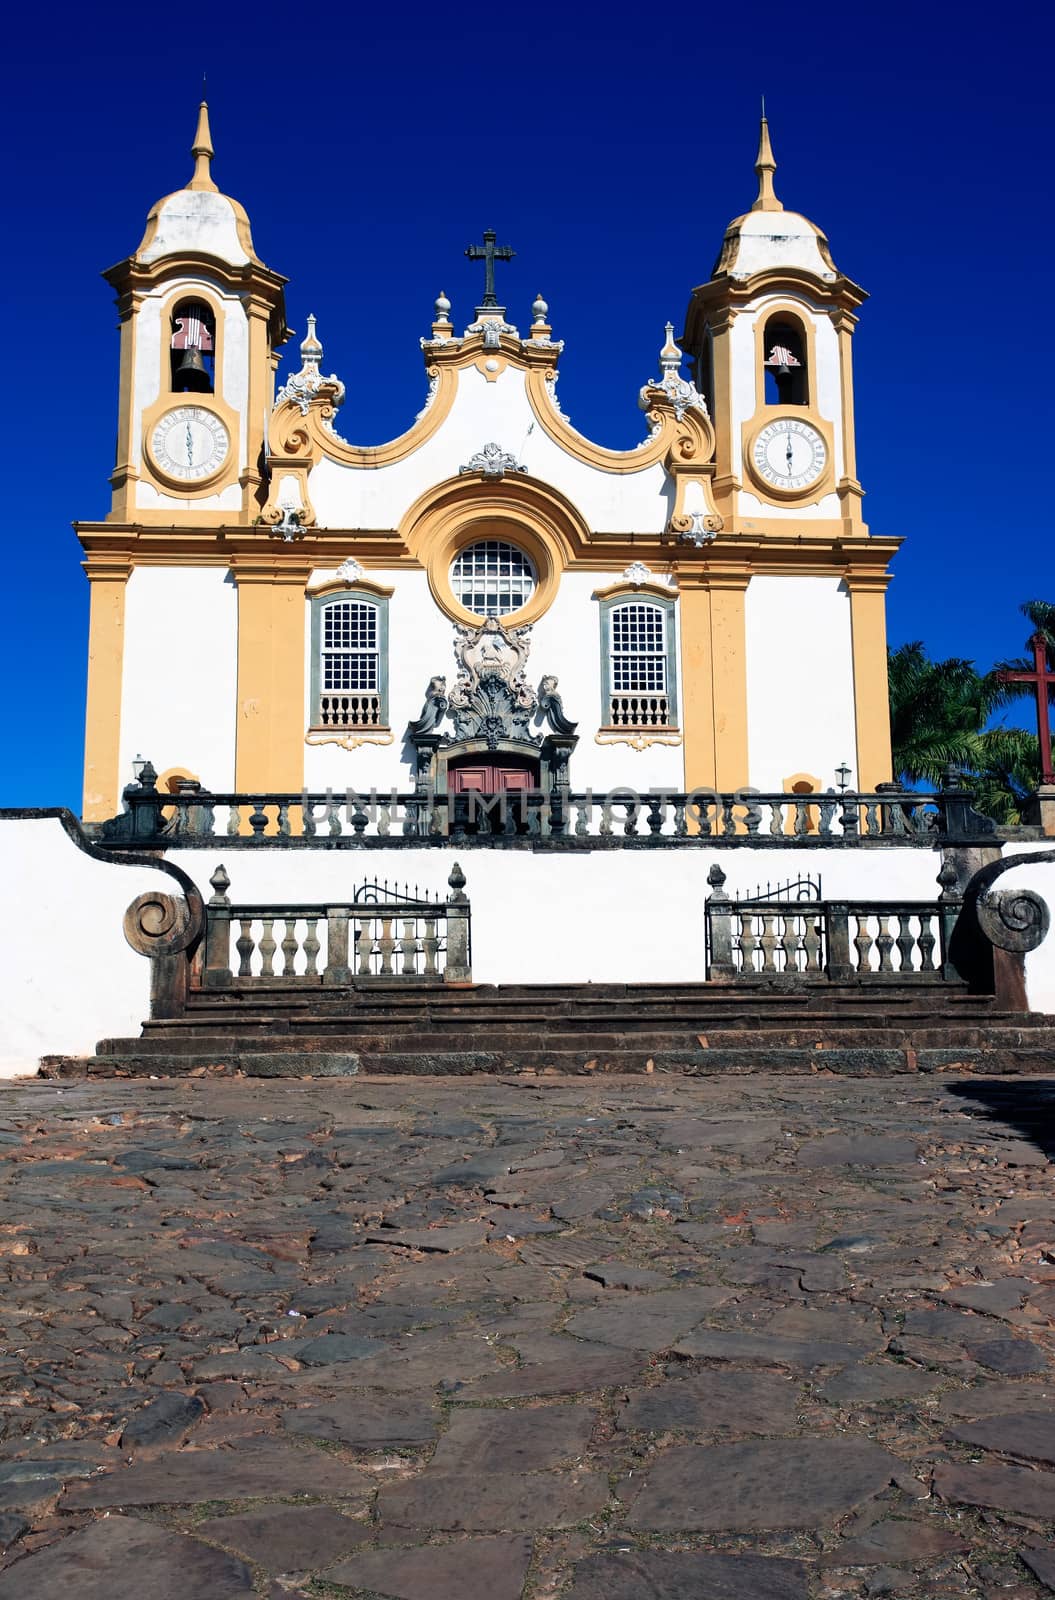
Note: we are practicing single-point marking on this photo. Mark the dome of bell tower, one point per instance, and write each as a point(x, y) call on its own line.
point(198, 219)
point(767, 237)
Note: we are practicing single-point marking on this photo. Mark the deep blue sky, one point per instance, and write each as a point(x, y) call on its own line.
point(609, 145)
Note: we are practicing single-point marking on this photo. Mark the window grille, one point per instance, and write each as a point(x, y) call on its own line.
point(640, 666)
point(492, 578)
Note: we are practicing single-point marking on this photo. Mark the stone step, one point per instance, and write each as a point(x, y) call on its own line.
point(326, 1058)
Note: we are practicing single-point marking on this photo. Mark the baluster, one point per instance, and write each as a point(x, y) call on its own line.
point(409, 946)
point(769, 941)
point(535, 818)
point(267, 948)
point(384, 821)
point(582, 818)
point(776, 817)
point(207, 818)
point(630, 823)
point(386, 945)
point(850, 821)
point(926, 941)
point(905, 940)
point(885, 944)
point(289, 949)
point(307, 812)
point(311, 948)
point(748, 941)
point(789, 944)
point(863, 941)
point(606, 821)
point(681, 827)
point(802, 818)
point(656, 809)
point(234, 820)
point(702, 808)
point(245, 946)
point(364, 945)
point(332, 815)
point(873, 823)
point(753, 816)
point(283, 819)
point(258, 818)
point(728, 822)
point(337, 972)
point(437, 819)
point(811, 943)
point(358, 820)
point(411, 818)
point(827, 813)
point(430, 945)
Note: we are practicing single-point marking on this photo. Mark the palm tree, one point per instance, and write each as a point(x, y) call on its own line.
point(938, 710)
point(1007, 773)
point(1040, 614)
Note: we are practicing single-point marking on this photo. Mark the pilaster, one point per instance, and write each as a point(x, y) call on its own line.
point(871, 691)
point(714, 677)
point(108, 577)
point(269, 747)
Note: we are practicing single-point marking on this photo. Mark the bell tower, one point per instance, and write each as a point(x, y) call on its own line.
point(770, 337)
point(202, 319)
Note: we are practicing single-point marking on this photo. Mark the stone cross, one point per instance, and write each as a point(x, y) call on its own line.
point(1043, 680)
point(489, 253)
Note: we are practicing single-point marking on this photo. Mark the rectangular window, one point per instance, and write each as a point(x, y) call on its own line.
point(638, 640)
point(349, 641)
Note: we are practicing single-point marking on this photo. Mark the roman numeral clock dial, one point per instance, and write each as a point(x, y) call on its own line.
point(789, 454)
point(189, 444)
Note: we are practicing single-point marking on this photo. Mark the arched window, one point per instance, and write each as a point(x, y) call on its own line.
point(349, 646)
point(784, 361)
point(192, 348)
point(638, 662)
point(492, 578)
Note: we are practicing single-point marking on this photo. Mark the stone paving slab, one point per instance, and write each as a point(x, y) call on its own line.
point(765, 1338)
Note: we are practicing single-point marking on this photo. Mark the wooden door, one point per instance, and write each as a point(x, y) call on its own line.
point(491, 776)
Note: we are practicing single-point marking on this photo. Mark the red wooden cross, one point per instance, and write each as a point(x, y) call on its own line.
point(1043, 681)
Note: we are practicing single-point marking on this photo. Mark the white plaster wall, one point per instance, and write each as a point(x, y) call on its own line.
point(565, 642)
point(633, 916)
point(70, 978)
point(483, 412)
point(179, 681)
point(800, 688)
point(147, 382)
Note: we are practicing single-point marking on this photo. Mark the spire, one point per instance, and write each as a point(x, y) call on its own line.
point(765, 167)
point(202, 152)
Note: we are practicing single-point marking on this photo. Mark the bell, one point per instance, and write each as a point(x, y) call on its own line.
point(191, 375)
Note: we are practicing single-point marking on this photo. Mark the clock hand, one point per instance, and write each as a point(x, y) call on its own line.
point(789, 454)
point(190, 447)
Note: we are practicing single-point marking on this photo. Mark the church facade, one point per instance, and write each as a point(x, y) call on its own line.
point(491, 602)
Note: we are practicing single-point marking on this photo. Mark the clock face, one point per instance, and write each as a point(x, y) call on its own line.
point(189, 443)
point(789, 454)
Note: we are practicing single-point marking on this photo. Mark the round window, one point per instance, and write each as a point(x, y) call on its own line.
point(492, 578)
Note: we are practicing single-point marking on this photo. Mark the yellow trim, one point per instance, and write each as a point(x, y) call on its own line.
point(269, 738)
point(350, 741)
point(296, 438)
point(714, 679)
point(637, 741)
point(102, 717)
point(813, 492)
point(690, 439)
point(871, 690)
point(527, 513)
point(336, 585)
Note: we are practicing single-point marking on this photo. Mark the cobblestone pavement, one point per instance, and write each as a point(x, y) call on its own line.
point(748, 1338)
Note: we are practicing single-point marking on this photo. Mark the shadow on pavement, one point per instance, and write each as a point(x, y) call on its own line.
point(1027, 1105)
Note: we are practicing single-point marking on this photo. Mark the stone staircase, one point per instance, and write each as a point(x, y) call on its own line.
point(280, 1031)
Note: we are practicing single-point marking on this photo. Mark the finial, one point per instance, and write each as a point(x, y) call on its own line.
point(539, 311)
point(670, 355)
point(442, 309)
point(310, 348)
point(202, 151)
point(765, 167)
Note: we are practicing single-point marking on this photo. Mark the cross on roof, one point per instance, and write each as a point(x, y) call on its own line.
point(1043, 680)
point(489, 253)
